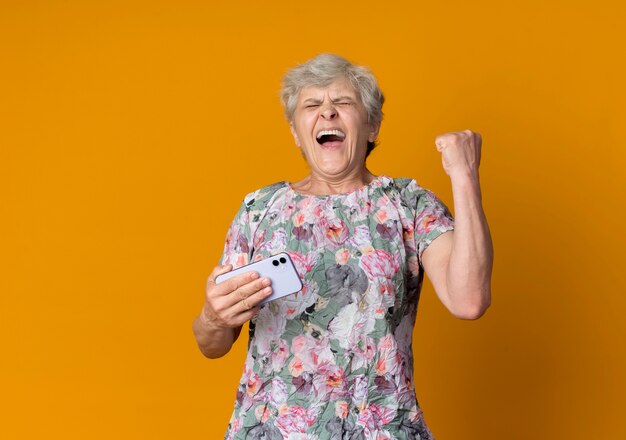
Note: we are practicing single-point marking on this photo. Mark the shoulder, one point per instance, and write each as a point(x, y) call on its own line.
point(261, 198)
point(414, 196)
point(402, 184)
point(407, 189)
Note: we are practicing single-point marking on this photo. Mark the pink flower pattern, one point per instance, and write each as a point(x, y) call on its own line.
point(335, 360)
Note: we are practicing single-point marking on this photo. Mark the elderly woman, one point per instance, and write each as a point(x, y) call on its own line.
point(335, 360)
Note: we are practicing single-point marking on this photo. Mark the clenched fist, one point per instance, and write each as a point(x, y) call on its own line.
point(460, 152)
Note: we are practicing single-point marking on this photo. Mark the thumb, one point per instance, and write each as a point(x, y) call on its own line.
point(439, 144)
point(218, 270)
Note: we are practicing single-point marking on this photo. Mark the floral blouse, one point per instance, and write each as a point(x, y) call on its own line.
point(335, 361)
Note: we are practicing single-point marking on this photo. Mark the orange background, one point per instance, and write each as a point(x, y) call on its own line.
point(130, 131)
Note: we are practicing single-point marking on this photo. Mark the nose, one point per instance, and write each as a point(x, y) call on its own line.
point(328, 111)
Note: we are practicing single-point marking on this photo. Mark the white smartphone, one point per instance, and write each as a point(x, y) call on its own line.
point(278, 268)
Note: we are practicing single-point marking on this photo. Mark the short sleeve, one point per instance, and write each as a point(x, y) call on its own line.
point(238, 244)
point(432, 217)
point(240, 239)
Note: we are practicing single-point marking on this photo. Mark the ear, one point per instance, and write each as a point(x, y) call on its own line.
point(373, 134)
point(294, 134)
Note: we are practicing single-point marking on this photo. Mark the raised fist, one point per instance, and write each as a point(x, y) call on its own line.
point(460, 152)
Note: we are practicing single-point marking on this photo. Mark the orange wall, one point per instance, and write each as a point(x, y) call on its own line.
point(131, 130)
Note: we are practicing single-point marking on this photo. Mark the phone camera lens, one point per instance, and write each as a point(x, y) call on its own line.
point(283, 260)
point(275, 262)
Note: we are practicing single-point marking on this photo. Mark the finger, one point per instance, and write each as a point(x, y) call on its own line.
point(228, 286)
point(444, 140)
point(247, 291)
point(258, 296)
point(243, 317)
point(250, 303)
point(218, 270)
point(246, 306)
point(238, 282)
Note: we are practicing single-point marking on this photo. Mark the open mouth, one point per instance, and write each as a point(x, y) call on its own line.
point(330, 138)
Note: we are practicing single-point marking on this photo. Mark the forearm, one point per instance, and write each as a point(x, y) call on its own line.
point(471, 257)
point(213, 342)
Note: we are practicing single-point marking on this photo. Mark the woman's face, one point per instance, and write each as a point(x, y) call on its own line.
point(330, 126)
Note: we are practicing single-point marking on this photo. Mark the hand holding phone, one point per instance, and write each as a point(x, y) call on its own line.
point(278, 268)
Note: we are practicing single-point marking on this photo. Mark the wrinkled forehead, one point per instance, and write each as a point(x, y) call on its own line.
point(339, 88)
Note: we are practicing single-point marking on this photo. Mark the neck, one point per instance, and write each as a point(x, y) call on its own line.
point(315, 184)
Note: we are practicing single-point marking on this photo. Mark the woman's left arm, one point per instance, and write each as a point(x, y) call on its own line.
point(459, 263)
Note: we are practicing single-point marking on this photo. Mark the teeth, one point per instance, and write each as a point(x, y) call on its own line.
point(331, 132)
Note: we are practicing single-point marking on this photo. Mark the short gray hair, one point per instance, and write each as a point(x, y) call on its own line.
point(322, 71)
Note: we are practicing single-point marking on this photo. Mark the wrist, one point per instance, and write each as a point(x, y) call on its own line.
point(465, 176)
point(466, 185)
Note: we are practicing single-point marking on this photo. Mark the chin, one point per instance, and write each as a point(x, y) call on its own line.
point(338, 165)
